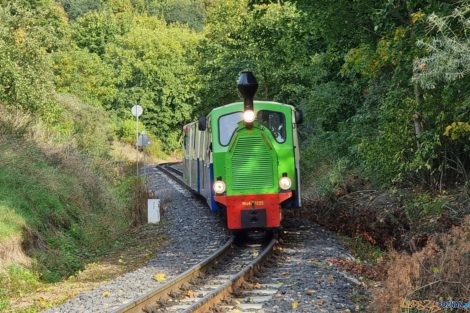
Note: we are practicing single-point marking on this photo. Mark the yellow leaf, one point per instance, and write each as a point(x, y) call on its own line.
point(417, 16)
point(295, 305)
point(447, 130)
point(106, 294)
point(159, 277)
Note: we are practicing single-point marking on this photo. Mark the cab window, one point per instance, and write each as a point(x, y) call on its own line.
point(185, 139)
point(275, 122)
point(227, 125)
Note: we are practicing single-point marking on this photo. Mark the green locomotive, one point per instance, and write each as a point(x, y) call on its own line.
point(243, 158)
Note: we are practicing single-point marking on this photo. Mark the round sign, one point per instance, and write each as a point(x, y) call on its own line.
point(137, 110)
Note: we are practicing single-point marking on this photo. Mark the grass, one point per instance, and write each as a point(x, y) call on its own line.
point(48, 202)
point(10, 222)
point(31, 191)
point(130, 252)
point(63, 201)
point(362, 249)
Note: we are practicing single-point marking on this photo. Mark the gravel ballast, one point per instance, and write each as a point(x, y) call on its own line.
point(306, 281)
point(194, 233)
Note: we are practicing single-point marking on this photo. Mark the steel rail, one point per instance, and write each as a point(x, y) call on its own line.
point(220, 293)
point(171, 172)
point(174, 170)
point(162, 291)
point(168, 170)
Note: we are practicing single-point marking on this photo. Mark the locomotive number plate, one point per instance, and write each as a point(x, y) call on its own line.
point(250, 203)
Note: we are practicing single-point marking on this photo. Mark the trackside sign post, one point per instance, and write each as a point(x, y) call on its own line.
point(137, 111)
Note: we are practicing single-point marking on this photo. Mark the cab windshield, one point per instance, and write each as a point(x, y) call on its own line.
point(272, 120)
point(227, 125)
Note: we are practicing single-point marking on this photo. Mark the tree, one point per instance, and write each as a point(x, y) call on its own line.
point(29, 33)
point(187, 12)
point(448, 50)
point(94, 30)
point(77, 8)
point(268, 39)
point(86, 75)
point(153, 63)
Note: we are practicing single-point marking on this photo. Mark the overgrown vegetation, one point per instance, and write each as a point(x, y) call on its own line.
point(62, 202)
point(383, 85)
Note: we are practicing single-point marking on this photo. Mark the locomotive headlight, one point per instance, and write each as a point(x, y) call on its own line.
point(285, 183)
point(249, 116)
point(219, 187)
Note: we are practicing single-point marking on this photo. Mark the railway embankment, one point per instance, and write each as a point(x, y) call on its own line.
point(409, 244)
point(65, 201)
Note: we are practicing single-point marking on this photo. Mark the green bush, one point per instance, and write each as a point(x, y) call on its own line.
point(324, 170)
point(155, 149)
point(127, 130)
point(425, 206)
point(92, 130)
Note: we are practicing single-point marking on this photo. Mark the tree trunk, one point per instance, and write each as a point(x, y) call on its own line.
point(417, 119)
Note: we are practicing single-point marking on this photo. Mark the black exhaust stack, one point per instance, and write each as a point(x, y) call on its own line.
point(247, 85)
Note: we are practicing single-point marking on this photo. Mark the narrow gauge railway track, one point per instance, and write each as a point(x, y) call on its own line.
point(207, 283)
point(174, 173)
point(169, 167)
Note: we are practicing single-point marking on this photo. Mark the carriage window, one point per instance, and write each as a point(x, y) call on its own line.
point(227, 125)
point(194, 136)
point(275, 122)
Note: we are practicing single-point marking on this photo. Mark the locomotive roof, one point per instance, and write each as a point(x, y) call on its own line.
point(235, 105)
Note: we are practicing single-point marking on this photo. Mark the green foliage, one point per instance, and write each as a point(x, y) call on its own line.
point(425, 206)
point(95, 30)
point(127, 130)
point(324, 169)
point(154, 68)
point(95, 140)
point(380, 99)
point(76, 8)
point(155, 149)
point(16, 280)
point(60, 199)
point(448, 51)
point(458, 130)
point(85, 75)
point(36, 196)
point(27, 34)
point(362, 249)
point(267, 39)
point(187, 12)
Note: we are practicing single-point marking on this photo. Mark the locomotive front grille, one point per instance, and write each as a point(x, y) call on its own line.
point(252, 164)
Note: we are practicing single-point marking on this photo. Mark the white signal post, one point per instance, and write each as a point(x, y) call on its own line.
point(137, 111)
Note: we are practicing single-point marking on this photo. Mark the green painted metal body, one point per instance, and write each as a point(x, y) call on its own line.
point(253, 161)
